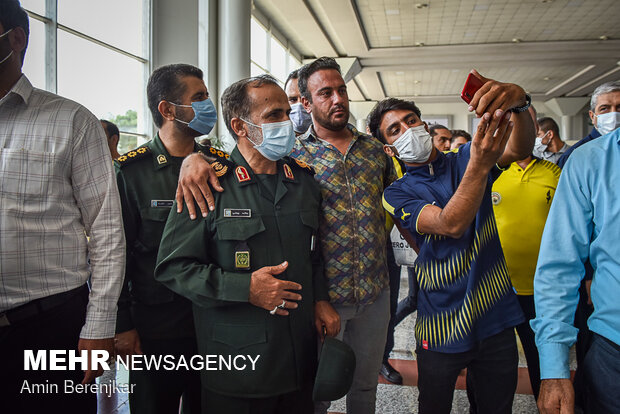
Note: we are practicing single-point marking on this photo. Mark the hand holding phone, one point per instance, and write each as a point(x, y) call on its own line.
point(472, 84)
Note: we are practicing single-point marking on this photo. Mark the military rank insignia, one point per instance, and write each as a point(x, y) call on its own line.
point(161, 159)
point(242, 174)
point(242, 256)
point(288, 172)
point(219, 168)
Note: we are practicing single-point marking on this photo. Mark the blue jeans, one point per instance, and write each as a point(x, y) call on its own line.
point(364, 329)
point(601, 376)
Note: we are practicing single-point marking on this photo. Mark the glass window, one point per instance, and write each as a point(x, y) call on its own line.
point(107, 83)
point(278, 60)
point(256, 70)
point(116, 22)
point(258, 43)
point(293, 63)
point(37, 6)
point(34, 61)
point(126, 142)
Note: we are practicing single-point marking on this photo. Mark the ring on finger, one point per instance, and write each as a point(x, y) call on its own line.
point(282, 305)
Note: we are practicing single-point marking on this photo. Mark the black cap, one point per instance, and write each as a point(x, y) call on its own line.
point(334, 375)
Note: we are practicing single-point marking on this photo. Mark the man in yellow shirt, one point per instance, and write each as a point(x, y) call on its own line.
point(521, 198)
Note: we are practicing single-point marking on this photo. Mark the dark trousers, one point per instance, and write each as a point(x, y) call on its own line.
point(584, 338)
point(409, 304)
point(492, 364)
point(394, 275)
point(297, 402)
point(56, 328)
point(526, 335)
point(159, 392)
point(601, 368)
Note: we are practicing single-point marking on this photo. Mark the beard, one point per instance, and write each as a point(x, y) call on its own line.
point(326, 121)
point(182, 128)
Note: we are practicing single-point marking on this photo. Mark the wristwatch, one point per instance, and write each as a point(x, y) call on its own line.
point(528, 102)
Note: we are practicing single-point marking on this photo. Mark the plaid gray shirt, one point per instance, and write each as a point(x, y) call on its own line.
point(57, 187)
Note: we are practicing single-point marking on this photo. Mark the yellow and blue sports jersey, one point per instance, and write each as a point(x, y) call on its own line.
point(465, 293)
point(521, 202)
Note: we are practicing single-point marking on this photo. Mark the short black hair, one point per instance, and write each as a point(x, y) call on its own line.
point(390, 104)
point(546, 124)
point(460, 133)
point(12, 15)
point(307, 70)
point(433, 129)
point(165, 85)
point(110, 128)
point(236, 102)
point(293, 75)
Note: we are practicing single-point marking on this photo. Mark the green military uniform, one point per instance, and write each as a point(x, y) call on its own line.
point(147, 180)
point(259, 220)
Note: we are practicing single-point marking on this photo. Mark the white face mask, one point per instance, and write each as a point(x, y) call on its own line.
point(607, 122)
point(415, 145)
point(538, 143)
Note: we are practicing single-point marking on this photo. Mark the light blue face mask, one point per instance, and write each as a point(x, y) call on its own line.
point(300, 118)
point(205, 116)
point(278, 139)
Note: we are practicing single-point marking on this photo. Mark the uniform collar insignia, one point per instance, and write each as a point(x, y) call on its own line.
point(242, 174)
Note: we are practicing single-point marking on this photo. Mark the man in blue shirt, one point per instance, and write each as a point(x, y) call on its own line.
point(467, 308)
point(582, 225)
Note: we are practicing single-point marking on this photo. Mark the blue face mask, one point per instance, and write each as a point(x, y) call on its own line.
point(205, 116)
point(300, 118)
point(278, 139)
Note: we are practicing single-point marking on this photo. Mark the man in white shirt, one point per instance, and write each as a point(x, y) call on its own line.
point(60, 222)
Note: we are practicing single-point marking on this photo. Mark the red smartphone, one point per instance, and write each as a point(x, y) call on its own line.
point(472, 84)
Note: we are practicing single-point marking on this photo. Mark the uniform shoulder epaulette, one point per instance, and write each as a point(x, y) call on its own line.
point(220, 160)
point(303, 166)
point(133, 155)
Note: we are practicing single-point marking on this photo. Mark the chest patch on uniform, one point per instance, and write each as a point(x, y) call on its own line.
point(242, 259)
point(161, 159)
point(288, 172)
point(238, 212)
point(242, 174)
point(496, 198)
point(161, 203)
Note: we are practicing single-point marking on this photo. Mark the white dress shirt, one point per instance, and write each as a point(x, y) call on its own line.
point(57, 188)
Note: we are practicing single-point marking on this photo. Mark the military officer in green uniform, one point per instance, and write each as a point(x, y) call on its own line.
point(152, 319)
point(251, 267)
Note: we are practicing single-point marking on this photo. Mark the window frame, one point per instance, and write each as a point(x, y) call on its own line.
point(50, 20)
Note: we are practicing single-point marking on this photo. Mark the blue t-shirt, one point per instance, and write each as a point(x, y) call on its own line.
point(465, 292)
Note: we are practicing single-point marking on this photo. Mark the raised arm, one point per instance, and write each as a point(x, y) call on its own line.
point(493, 96)
point(487, 145)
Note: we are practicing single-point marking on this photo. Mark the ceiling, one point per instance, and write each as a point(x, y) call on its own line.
point(423, 49)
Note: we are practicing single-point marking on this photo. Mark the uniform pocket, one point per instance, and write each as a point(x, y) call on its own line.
point(239, 336)
point(152, 226)
point(238, 228)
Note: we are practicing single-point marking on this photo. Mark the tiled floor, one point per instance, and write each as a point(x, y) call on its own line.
point(399, 399)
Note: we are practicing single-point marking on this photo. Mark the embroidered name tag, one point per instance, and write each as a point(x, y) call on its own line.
point(237, 212)
point(161, 203)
